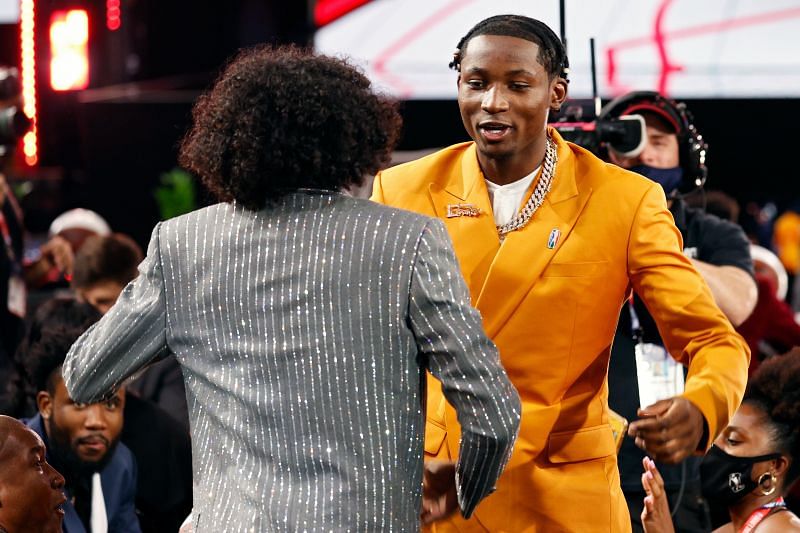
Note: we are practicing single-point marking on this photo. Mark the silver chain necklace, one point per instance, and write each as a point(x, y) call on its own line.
point(539, 192)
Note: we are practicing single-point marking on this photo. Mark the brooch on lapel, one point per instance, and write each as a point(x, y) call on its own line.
point(552, 241)
point(462, 210)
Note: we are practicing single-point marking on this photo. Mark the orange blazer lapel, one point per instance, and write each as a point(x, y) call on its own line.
point(525, 253)
point(474, 237)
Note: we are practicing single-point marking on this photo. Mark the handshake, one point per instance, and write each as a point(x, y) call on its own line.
point(439, 496)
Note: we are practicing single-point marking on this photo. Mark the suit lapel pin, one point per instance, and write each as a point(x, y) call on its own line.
point(462, 210)
point(552, 241)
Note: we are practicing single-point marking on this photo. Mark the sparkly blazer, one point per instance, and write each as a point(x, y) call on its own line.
point(302, 331)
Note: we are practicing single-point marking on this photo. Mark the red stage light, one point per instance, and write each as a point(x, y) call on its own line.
point(113, 15)
point(28, 78)
point(69, 50)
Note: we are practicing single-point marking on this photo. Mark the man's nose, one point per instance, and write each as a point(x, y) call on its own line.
point(648, 156)
point(56, 479)
point(494, 101)
point(95, 416)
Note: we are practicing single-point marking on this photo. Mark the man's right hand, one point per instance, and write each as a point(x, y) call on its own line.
point(439, 499)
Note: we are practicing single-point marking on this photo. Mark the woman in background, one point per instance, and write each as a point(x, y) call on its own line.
point(752, 463)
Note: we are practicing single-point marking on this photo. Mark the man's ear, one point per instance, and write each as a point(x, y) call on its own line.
point(45, 404)
point(558, 93)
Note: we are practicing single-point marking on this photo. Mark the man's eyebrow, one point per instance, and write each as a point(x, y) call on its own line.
point(515, 72)
point(519, 71)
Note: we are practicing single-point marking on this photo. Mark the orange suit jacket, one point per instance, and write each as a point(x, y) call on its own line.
point(550, 295)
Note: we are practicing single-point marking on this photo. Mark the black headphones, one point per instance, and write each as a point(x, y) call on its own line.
point(692, 147)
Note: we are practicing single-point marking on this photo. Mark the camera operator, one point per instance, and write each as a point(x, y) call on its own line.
point(673, 156)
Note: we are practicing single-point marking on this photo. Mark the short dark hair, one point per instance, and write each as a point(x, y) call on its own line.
point(55, 326)
point(281, 119)
point(552, 54)
point(775, 390)
point(106, 257)
point(47, 355)
point(722, 205)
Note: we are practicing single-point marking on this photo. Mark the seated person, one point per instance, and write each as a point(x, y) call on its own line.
point(82, 442)
point(31, 496)
point(753, 461)
point(66, 235)
point(162, 448)
point(104, 265)
point(21, 392)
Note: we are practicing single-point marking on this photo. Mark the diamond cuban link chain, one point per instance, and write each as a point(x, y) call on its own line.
point(538, 195)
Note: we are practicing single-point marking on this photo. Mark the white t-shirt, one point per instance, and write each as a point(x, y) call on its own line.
point(507, 199)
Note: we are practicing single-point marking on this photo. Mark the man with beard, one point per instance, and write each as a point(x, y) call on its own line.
point(30, 489)
point(82, 443)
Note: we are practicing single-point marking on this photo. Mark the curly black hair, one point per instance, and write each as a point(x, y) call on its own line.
point(552, 53)
point(47, 355)
point(56, 325)
point(282, 119)
point(775, 390)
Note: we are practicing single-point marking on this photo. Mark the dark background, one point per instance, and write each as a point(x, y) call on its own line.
point(107, 146)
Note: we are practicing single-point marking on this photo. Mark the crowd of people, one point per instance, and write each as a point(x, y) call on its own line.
point(509, 334)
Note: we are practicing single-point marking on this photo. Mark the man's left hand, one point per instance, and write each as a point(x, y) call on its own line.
point(669, 430)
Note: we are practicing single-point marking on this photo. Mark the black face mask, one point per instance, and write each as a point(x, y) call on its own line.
point(725, 478)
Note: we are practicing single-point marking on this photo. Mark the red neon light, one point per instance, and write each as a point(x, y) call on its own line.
point(30, 144)
point(113, 15)
point(660, 37)
point(326, 11)
point(382, 59)
point(69, 50)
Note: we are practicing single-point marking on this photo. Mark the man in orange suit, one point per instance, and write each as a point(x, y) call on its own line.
point(551, 240)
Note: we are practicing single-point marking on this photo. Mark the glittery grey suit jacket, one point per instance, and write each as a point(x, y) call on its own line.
point(302, 330)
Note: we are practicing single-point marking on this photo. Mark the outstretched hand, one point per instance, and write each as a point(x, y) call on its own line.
point(439, 499)
point(655, 515)
point(59, 253)
point(669, 430)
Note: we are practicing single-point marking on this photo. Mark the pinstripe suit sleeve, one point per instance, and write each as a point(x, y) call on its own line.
point(129, 336)
point(450, 335)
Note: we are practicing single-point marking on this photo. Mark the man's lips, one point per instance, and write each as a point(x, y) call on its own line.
point(59, 509)
point(96, 444)
point(494, 131)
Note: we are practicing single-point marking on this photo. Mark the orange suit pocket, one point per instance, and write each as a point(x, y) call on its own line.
point(582, 445)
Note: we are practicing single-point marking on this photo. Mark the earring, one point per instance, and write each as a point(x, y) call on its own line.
point(773, 482)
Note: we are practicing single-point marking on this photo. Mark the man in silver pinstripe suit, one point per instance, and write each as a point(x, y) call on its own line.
point(304, 318)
